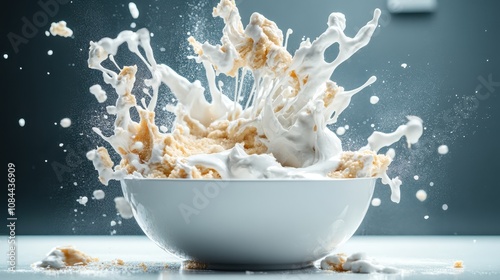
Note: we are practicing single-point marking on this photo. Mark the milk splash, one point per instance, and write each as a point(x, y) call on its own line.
point(280, 132)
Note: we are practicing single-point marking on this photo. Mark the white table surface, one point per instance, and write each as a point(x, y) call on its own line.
point(422, 257)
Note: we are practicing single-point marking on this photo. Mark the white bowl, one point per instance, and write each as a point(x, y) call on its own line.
point(249, 224)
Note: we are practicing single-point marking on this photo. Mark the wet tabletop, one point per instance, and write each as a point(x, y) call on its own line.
point(422, 257)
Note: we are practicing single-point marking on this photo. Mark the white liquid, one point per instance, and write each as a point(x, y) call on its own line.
point(99, 194)
point(443, 149)
point(5, 56)
point(50, 52)
point(376, 202)
point(444, 207)
point(291, 103)
point(134, 12)
point(83, 200)
point(404, 65)
point(65, 123)
point(391, 153)
point(22, 122)
point(374, 99)
point(123, 208)
point(99, 93)
point(421, 195)
point(340, 131)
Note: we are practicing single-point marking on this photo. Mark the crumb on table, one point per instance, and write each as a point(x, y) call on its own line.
point(194, 265)
point(458, 264)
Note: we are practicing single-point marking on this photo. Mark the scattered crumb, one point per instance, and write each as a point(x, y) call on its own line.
point(60, 28)
point(143, 266)
point(194, 265)
point(65, 256)
point(118, 262)
point(334, 262)
point(356, 263)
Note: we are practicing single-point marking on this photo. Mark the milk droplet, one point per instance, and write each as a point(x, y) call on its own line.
point(445, 207)
point(426, 217)
point(99, 93)
point(50, 52)
point(346, 126)
point(416, 177)
point(113, 223)
point(5, 56)
point(376, 202)
point(47, 33)
point(134, 12)
point(391, 153)
point(133, 25)
point(431, 184)
point(98, 194)
point(421, 195)
point(340, 131)
point(123, 208)
point(443, 149)
point(404, 65)
point(61, 144)
point(65, 123)
point(83, 200)
point(374, 99)
point(163, 129)
point(22, 122)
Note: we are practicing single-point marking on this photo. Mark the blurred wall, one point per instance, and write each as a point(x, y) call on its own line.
point(449, 55)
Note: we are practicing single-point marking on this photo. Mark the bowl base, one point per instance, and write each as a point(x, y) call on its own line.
point(258, 267)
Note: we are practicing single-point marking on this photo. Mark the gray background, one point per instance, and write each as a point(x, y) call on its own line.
point(447, 52)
